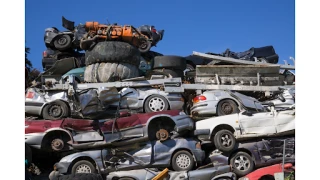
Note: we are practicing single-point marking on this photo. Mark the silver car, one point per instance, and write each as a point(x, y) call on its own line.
point(222, 102)
point(55, 105)
point(180, 153)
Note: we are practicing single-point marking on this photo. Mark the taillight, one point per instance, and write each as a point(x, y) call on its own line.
point(44, 54)
point(29, 95)
point(198, 99)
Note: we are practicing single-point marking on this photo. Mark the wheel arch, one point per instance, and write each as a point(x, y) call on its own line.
point(221, 127)
point(191, 63)
point(145, 100)
point(52, 132)
point(62, 100)
point(242, 150)
point(182, 149)
point(159, 117)
point(79, 158)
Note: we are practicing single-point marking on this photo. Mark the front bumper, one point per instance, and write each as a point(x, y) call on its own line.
point(62, 167)
point(205, 108)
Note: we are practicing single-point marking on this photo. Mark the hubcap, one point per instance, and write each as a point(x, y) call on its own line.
point(55, 111)
point(227, 108)
point(83, 168)
point(156, 104)
point(226, 140)
point(183, 161)
point(242, 163)
point(57, 144)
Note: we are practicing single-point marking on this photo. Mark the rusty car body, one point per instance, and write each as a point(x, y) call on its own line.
point(54, 135)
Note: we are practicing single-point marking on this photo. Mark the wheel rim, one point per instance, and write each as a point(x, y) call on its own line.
point(55, 111)
point(83, 168)
point(156, 104)
point(242, 163)
point(62, 41)
point(57, 144)
point(227, 108)
point(183, 161)
point(226, 140)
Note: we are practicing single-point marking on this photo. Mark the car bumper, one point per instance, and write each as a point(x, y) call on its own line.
point(34, 139)
point(206, 108)
point(33, 108)
point(176, 103)
point(62, 167)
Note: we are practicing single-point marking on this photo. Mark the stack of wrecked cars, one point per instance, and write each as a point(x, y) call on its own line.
point(113, 109)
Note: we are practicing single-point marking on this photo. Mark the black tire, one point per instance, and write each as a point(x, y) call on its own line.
point(240, 171)
point(224, 140)
point(114, 52)
point(190, 67)
point(155, 103)
point(226, 107)
point(81, 176)
point(55, 110)
point(109, 72)
point(170, 62)
point(83, 166)
point(62, 42)
point(182, 161)
point(145, 46)
point(169, 72)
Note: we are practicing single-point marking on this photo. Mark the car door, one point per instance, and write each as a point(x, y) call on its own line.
point(257, 123)
point(125, 128)
point(83, 130)
point(285, 121)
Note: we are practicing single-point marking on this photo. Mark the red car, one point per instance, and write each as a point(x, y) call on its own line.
point(267, 171)
point(53, 135)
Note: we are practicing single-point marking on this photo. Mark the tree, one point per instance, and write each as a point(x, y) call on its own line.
point(28, 63)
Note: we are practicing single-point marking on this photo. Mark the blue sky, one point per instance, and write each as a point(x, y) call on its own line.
point(203, 26)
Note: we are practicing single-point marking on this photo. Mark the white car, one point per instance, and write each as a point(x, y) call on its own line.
point(225, 130)
point(284, 100)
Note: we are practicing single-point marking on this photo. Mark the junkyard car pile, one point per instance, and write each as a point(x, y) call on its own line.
point(121, 111)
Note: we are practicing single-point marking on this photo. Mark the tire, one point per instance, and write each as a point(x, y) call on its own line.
point(182, 161)
point(55, 110)
point(224, 140)
point(226, 107)
point(62, 42)
point(81, 176)
point(145, 46)
point(109, 72)
point(113, 52)
point(190, 67)
point(242, 171)
point(170, 62)
point(169, 72)
point(155, 103)
point(83, 166)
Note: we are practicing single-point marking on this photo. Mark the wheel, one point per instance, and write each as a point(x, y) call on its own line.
point(170, 62)
point(190, 67)
point(55, 110)
point(224, 140)
point(162, 135)
point(62, 42)
point(145, 45)
point(226, 107)
point(156, 103)
point(109, 72)
point(81, 176)
point(182, 161)
point(83, 166)
point(113, 52)
point(242, 163)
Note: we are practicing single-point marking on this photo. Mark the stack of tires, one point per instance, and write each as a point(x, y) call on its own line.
point(110, 61)
point(169, 66)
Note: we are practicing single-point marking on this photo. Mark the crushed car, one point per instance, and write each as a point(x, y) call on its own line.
point(283, 99)
point(248, 155)
point(223, 102)
point(178, 154)
point(226, 130)
point(54, 135)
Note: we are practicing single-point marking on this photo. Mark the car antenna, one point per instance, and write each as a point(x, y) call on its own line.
point(108, 22)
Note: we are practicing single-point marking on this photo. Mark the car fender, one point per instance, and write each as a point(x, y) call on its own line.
point(58, 129)
point(183, 122)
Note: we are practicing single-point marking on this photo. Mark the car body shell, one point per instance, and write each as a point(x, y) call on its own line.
point(85, 130)
point(133, 101)
point(289, 99)
point(264, 152)
point(251, 125)
point(153, 154)
point(208, 107)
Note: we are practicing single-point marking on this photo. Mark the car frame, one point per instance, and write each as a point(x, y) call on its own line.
point(153, 154)
point(256, 154)
point(223, 102)
point(55, 135)
point(226, 130)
